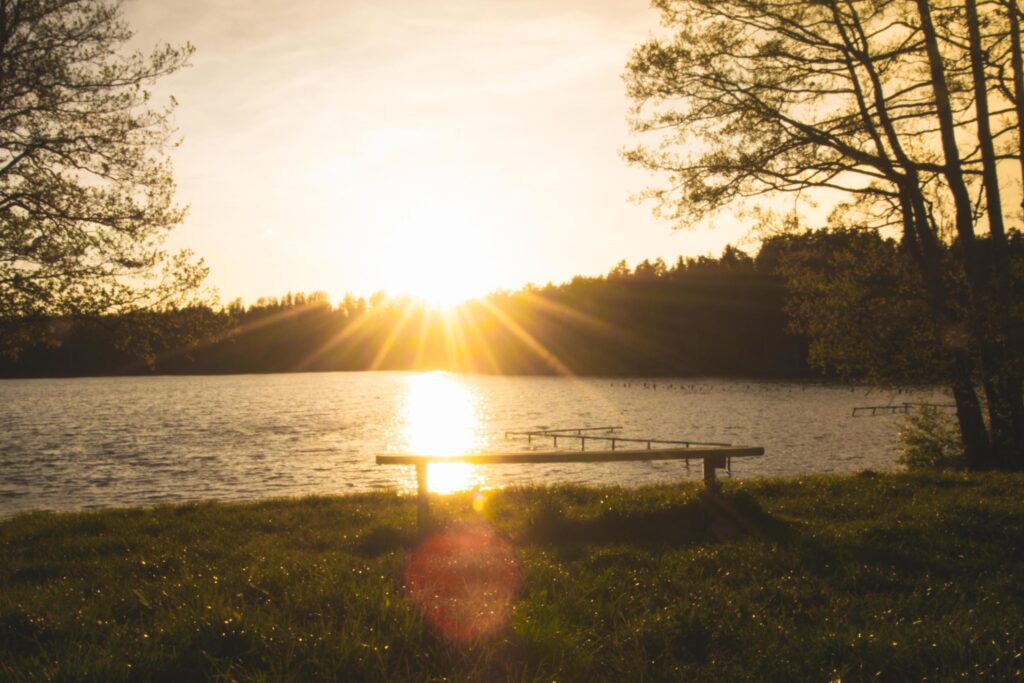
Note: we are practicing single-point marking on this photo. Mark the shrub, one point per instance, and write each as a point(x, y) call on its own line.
point(930, 439)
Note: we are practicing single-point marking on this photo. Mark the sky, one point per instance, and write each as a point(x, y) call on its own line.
point(443, 149)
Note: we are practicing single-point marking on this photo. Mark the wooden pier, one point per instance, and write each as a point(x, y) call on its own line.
point(713, 455)
point(897, 408)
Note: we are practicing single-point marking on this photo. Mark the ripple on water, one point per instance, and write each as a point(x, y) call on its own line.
point(78, 443)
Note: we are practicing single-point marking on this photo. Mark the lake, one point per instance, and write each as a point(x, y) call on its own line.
point(68, 444)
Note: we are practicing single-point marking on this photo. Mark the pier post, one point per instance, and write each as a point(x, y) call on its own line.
point(422, 499)
point(710, 463)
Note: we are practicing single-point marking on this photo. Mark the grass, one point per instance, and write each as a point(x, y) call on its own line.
point(897, 577)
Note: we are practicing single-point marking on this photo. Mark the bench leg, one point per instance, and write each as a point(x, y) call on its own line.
point(710, 463)
point(422, 499)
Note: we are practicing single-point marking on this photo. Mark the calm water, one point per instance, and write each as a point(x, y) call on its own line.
point(84, 443)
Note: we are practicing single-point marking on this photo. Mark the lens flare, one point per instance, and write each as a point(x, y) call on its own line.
point(464, 580)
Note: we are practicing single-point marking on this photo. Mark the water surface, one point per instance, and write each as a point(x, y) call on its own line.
point(99, 442)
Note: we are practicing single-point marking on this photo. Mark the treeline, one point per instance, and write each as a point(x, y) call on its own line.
point(702, 315)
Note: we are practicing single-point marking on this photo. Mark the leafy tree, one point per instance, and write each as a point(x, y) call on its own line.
point(86, 192)
point(884, 102)
point(858, 298)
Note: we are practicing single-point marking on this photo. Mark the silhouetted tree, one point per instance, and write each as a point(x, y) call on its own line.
point(756, 98)
point(86, 193)
point(701, 316)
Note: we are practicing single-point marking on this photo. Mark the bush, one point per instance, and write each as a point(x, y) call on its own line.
point(931, 440)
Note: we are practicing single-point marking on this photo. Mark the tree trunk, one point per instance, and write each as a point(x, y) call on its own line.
point(925, 248)
point(1016, 342)
point(982, 313)
point(1002, 382)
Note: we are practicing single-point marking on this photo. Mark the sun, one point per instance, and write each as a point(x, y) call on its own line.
point(443, 270)
point(445, 293)
point(443, 274)
point(439, 245)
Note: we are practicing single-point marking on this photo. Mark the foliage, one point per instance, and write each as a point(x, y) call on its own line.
point(930, 440)
point(906, 111)
point(859, 300)
point(86, 192)
point(776, 580)
point(698, 316)
point(743, 99)
point(851, 293)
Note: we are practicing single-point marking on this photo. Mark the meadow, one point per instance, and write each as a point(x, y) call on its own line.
point(873, 576)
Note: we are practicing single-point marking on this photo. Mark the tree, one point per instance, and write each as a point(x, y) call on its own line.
point(882, 102)
point(86, 192)
point(857, 298)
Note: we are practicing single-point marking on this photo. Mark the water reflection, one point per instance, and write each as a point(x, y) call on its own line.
point(441, 418)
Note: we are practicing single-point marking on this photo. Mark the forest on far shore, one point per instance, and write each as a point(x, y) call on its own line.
point(737, 315)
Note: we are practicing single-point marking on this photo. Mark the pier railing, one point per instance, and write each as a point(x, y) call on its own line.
point(578, 433)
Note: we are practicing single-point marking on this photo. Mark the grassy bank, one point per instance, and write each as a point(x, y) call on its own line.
point(892, 576)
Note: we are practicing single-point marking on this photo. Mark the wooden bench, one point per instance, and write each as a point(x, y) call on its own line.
point(713, 458)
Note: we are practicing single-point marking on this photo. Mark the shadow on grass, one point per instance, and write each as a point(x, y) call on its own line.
point(706, 518)
point(22, 633)
point(384, 539)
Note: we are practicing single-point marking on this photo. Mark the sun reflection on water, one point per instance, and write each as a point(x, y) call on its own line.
point(441, 418)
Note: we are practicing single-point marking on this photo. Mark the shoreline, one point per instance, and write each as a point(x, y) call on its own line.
point(810, 378)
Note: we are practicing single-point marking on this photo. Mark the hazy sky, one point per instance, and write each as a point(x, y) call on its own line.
point(384, 144)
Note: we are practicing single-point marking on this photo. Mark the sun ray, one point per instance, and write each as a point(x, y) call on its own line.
point(588, 391)
point(421, 338)
point(456, 349)
point(236, 331)
point(467, 322)
point(408, 307)
point(449, 343)
point(594, 323)
point(515, 328)
point(350, 329)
